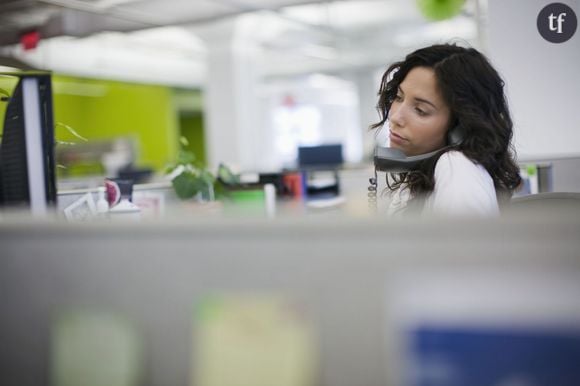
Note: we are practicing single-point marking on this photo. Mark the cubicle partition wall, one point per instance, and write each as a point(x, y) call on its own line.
point(326, 302)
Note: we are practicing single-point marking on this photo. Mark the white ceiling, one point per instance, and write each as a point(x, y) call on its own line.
point(167, 36)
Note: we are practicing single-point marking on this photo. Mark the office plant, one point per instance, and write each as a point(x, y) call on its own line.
point(190, 179)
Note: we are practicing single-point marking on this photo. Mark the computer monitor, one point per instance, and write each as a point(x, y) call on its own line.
point(320, 157)
point(27, 168)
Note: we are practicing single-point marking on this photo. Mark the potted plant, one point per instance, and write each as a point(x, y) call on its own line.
point(190, 178)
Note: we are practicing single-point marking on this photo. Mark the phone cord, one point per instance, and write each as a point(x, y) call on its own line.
point(372, 193)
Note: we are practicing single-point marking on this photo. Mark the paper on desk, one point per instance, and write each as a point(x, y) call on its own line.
point(252, 341)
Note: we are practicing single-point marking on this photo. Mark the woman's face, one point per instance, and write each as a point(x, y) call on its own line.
point(419, 117)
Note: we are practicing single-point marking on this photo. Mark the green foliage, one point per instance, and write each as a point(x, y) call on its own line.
point(66, 143)
point(437, 10)
point(188, 184)
point(192, 177)
point(71, 131)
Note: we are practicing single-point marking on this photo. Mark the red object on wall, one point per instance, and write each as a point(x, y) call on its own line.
point(288, 101)
point(29, 40)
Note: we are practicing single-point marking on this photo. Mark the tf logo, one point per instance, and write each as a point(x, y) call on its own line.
point(557, 22)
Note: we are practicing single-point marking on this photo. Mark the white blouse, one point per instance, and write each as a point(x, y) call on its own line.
point(462, 187)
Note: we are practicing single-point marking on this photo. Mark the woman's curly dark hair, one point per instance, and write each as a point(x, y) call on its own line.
point(473, 90)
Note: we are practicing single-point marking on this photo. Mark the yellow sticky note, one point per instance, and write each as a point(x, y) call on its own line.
point(93, 348)
point(252, 341)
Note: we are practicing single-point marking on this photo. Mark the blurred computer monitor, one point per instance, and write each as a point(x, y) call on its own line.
point(27, 167)
point(320, 157)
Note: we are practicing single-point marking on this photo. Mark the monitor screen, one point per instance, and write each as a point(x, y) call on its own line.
point(321, 156)
point(27, 169)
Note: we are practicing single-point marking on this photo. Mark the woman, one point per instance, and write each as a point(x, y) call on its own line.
point(438, 93)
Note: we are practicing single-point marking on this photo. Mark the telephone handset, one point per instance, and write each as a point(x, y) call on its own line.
point(388, 159)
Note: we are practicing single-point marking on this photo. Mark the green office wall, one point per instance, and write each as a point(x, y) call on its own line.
point(189, 106)
point(155, 116)
point(191, 126)
point(102, 109)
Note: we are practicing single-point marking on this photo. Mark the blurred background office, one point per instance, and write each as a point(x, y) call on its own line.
point(248, 82)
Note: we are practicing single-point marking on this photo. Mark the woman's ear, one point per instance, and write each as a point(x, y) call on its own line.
point(455, 135)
